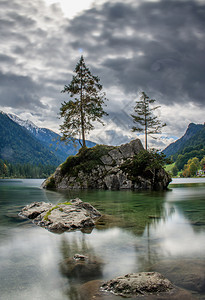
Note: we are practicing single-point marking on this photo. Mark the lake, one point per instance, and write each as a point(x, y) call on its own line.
point(141, 231)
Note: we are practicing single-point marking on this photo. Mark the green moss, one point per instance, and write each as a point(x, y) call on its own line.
point(49, 212)
point(55, 207)
point(65, 203)
point(51, 183)
point(85, 160)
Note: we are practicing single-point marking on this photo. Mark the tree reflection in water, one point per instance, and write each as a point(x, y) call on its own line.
point(79, 264)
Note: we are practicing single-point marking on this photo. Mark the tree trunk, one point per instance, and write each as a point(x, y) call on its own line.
point(83, 131)
point(145, 137)
point(82, 112)
point(145, 132)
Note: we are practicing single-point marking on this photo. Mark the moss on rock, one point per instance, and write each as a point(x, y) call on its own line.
point(85, 161)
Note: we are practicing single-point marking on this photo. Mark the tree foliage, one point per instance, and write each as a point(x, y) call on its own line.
point(144, 118)
point(175, 170)
point(17, 170)
point(191, 168)
point(182, 159)
point(144, 163)
point(202, 162)
point(85, 105)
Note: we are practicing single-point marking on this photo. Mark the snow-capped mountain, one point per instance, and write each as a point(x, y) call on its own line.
point(42, 134)
point(24, 123)
point(47, 138)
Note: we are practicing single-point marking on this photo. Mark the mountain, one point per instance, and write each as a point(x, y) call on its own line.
point(22, 141)
point(193, 137)
point(17, 145)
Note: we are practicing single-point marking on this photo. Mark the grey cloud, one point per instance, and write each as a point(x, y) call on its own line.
point(19, 92)
point(166, 39)
point(6, 59)
point(157, 47)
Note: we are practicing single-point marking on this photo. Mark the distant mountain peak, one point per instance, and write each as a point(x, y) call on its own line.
point(46, 139)
point(178, 145)
point(29, 125)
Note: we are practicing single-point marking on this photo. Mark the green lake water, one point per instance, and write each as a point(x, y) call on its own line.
point(141, 231)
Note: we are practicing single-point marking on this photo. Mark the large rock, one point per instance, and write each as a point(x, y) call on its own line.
point(136, 284)
point(105, 171)
point(146, 286)
point(72, 215)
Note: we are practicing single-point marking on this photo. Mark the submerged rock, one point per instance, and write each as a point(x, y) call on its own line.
point(72, 215)
point(186, 273)
point(100, 167)
point(83, 267)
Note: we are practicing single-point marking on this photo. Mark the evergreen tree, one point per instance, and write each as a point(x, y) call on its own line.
point(84, 106)
point(175, 170)
point(145, 120)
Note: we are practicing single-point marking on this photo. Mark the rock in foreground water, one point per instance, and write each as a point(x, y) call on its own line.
point(144, 285)
point(72, 215)
point(138, 284)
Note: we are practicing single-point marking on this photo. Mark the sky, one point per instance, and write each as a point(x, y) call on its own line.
point(132, 45)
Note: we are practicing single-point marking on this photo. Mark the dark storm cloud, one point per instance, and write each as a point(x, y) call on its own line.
point(158, 47)
point(32, 53)
point(19, 92)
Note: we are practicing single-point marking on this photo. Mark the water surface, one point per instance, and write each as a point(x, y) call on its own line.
point(141, 231)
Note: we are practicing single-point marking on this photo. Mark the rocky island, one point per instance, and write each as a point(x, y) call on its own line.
point(109, 167)
point(67, 216)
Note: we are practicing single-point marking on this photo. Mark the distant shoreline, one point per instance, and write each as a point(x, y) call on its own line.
point(187, 180)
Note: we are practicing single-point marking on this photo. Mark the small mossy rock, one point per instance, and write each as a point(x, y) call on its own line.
point(35, 209)
point(72, 215)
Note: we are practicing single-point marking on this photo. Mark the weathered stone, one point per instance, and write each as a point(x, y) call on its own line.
point(138, 284)
point(93, 290)
point(131, 149)
point(33, 210)
point(65, 216)
point(106, 160)
point(116, 155)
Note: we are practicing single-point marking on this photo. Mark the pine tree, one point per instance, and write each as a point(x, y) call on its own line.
point(147, 122)
point(84, 106)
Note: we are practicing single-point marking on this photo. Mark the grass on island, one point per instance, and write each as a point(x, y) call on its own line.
point(168, 168)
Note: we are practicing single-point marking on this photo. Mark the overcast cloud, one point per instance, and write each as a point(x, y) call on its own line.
point(152, 46)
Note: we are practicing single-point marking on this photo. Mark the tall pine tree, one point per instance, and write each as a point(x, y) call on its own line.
point(144, 118)
point(84, 106)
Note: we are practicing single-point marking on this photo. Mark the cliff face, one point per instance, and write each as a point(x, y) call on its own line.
point(185, 140)
point(100, 168)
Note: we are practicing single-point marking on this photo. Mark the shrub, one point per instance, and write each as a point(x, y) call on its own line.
point(51, 183)
point(85, 160)
point(144, 164)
